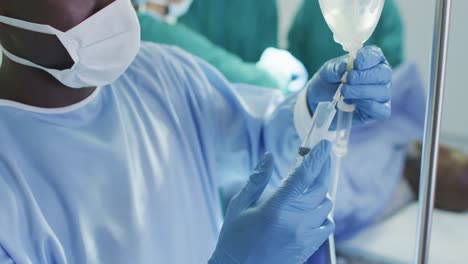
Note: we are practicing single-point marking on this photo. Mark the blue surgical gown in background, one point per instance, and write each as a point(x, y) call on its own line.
point(375, 162)
point(131, 174)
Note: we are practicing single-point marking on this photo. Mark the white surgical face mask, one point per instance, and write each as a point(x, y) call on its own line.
point(102, 46)
point(175, 10)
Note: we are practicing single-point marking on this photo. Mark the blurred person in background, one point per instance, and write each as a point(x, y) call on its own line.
point(275, 69)
point(247, 28)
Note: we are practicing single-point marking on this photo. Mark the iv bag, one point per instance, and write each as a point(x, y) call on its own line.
point(352, 21)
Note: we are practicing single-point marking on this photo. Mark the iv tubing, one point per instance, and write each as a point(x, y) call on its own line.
point(337, 98)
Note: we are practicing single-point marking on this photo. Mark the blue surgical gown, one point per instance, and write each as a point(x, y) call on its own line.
point(131, 174)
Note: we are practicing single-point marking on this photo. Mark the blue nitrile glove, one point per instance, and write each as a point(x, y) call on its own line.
point(289, 226)
point(368, 85)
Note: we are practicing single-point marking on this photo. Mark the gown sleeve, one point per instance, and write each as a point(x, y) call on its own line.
point(242, 121)
point(4, 258)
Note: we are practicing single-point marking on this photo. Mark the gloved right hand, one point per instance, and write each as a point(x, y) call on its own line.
point(289, 226)
point(368, 85)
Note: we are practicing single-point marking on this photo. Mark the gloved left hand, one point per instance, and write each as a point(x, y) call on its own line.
point(289, 226)
point(368, 85)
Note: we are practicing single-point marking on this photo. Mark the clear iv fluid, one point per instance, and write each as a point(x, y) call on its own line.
point(343, 131)
point(352, 21)
point(321, 121)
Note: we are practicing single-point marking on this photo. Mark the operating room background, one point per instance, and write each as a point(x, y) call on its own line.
point(419, 21)
point(418, 16)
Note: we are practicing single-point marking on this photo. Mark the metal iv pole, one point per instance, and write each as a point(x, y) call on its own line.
point(432, 130)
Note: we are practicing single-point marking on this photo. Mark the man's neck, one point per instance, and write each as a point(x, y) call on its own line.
point(35, 87)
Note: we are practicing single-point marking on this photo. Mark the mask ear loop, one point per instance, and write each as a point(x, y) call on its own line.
point(70, 45)
point(28, 63)
point(34, 27)
point(39, 28)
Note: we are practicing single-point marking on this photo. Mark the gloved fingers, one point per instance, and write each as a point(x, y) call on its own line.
point(316, 193)
point(322, 180)
point(318, 235)
point(379, 74)
point(316, 217)
point(308, 201)
point(333, 70)
point(315, 237)
point(254, 188)
point(369, 57)
point(303, 212)
point(228, 190)
point(379, 93)
point(306, 173)
point(367, 110)
point(319, 90)
point(324, 177)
